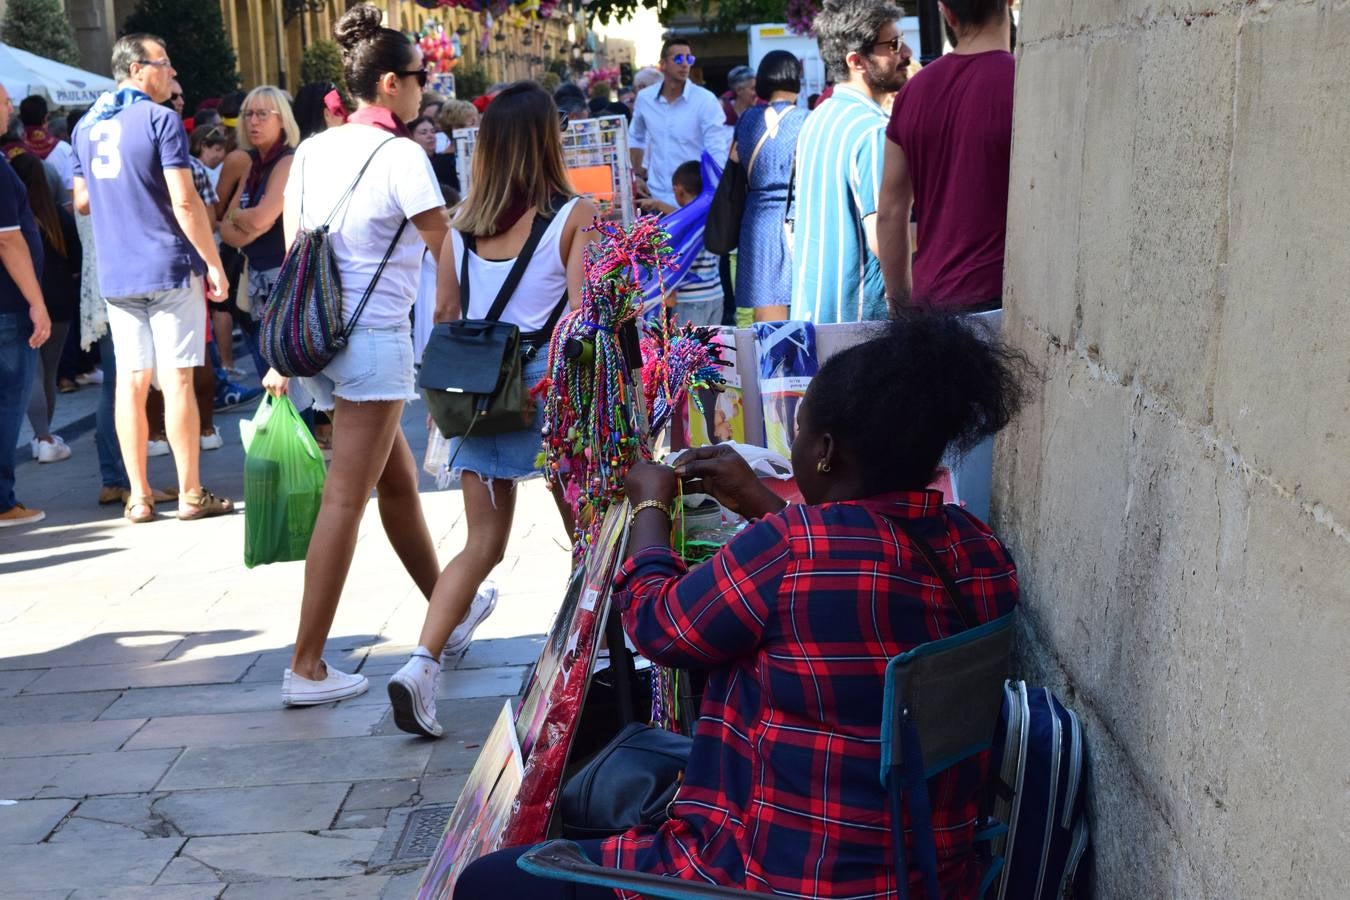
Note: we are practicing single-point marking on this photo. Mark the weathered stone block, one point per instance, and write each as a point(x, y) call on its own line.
point(1164, 323)
point(1044, 184)
point(1282, 386)
point(1047, 19)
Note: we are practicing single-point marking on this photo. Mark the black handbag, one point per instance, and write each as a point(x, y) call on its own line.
point(472, 370)
point(631, 782)
point(722, 231)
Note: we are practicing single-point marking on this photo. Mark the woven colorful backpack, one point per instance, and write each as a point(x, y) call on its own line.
point(302, 327)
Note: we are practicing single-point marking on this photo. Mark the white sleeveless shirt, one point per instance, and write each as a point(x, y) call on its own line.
point(540, 288)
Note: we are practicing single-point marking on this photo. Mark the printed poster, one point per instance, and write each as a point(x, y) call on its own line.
point(552, 704)
point(481, 814)
point(723, 415)
point(786, 356)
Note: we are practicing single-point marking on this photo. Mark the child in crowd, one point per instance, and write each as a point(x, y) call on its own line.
point(698, 295)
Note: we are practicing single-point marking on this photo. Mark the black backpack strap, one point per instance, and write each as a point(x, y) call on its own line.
point(370, 288)
point(537, 229)
point(540, 338)
point(964, 608)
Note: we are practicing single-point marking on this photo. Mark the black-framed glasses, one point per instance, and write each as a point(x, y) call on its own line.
point(175, 96)
point(564, 119)
point(683, 59)
point(894, 43)
point(420, 74)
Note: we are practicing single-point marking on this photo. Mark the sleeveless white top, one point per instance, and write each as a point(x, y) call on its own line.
point(540, 288)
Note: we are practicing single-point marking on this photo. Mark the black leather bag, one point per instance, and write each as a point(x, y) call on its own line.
point(472, 370)
point(722, 232)
point(631, 782)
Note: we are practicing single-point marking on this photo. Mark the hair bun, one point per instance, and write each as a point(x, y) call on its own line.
point(360, 23)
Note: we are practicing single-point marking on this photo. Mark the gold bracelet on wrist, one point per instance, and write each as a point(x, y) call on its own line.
point(651, 504)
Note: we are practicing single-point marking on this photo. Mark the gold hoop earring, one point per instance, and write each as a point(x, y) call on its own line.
point(823, 467)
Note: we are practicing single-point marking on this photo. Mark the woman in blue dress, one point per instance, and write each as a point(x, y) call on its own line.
point(766, 144)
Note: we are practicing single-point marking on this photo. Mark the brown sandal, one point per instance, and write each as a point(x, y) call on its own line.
point(145, 504)
point(202, 505)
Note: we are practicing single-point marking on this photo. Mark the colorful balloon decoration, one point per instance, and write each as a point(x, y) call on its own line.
point(440, 48)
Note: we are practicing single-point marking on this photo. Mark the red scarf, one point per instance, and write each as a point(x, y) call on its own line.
point(332, 101)
point(260, 166)
point(380, 117)
point(39, 142)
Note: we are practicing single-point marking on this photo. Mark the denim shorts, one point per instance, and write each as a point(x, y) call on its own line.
point(511, 456)
point(376, 364)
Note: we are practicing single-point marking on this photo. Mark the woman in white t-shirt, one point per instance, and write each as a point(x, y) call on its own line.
point(368, 382)
point(518, 176)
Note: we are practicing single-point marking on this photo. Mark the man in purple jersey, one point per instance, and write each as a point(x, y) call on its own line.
point(133, 175)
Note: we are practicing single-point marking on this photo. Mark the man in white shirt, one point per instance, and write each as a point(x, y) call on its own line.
point(674, 122)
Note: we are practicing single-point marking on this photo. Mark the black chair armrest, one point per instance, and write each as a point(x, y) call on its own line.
point(564, 861)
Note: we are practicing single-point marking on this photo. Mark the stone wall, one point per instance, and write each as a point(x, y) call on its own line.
point(1178, 496)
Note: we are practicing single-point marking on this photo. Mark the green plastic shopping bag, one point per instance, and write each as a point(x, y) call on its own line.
point(283, 483)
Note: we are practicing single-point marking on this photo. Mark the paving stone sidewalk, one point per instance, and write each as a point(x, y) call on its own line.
point(144, 752)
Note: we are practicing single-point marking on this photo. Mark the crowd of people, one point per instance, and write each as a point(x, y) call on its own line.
point(155, 238)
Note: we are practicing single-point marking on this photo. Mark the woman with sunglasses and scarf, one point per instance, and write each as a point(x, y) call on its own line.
point(368, 382)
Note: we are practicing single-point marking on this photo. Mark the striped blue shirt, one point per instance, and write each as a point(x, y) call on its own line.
point(836, 278)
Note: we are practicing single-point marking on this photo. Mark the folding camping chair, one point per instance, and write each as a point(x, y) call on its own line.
point(941, 706)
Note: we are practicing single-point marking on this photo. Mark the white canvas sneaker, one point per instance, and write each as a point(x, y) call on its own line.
point(299, 691)
point(55, 451)
point(484, 602)
point(412, 694)
point(157, 448)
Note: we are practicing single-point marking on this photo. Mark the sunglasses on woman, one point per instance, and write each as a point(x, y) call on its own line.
point(420, 74)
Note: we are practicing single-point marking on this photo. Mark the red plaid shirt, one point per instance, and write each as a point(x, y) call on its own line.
point(795, 620)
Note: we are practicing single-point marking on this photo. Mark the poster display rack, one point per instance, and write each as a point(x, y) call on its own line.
point(595, 152)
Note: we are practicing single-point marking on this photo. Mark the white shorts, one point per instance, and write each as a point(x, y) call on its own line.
point(162, 330)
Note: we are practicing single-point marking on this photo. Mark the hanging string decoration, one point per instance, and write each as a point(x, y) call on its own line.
point(608, 390)
point(677, 360)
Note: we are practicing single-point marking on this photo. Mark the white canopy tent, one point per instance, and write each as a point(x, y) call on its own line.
point(23, 74)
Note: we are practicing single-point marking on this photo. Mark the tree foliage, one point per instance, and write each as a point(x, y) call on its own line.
point(41, 27)
point(322, 61)
point(719, 15)
point(194, 36)
point(470, 81)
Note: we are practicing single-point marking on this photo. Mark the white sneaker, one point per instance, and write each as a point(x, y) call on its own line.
point(157, 448)
point(412, 694)
point(299, 691)
point(484, 602)
point(52, 452)
point(213, 441)
point(93, 377)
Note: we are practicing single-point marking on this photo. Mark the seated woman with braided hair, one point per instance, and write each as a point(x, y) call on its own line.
point(795, 619)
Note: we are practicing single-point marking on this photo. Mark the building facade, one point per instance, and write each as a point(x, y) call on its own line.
point(269, 36)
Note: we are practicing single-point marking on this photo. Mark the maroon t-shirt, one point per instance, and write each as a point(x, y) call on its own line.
point(954, 122)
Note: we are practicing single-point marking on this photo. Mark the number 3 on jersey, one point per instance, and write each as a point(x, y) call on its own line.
point(104, 137)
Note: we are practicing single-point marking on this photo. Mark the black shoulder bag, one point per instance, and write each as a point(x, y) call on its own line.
point(473, 370)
